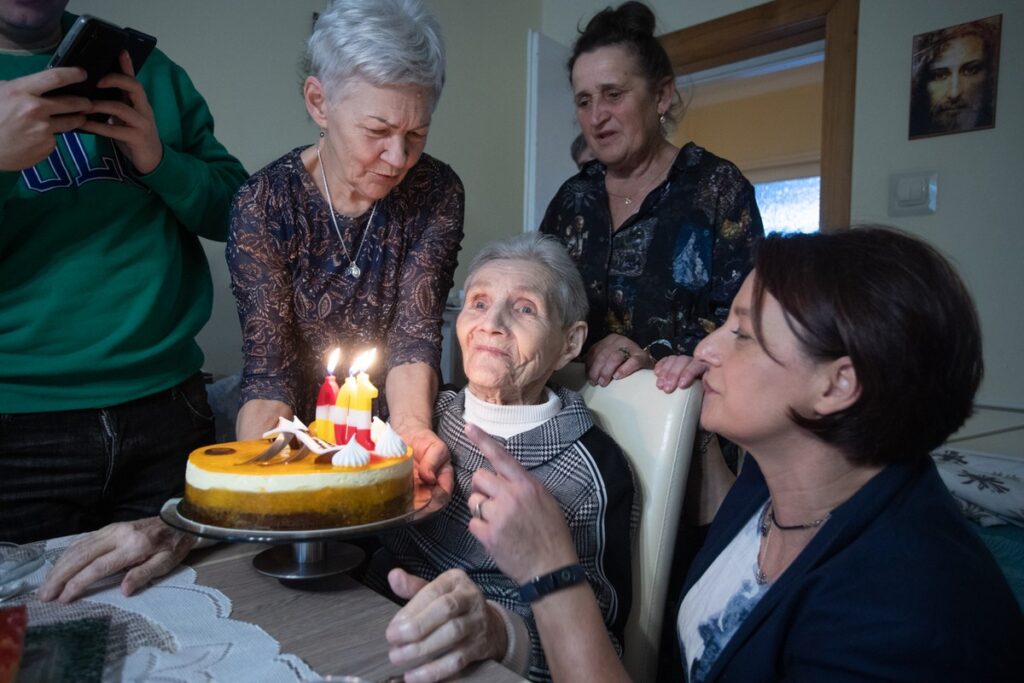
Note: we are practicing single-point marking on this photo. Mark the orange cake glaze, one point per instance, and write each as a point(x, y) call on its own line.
point(292, 496)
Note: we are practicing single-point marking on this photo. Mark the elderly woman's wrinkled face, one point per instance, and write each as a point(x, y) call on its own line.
point(616, 108)
point(373, 136)
point(511, 336)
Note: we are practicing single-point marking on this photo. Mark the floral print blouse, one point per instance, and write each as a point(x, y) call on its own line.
point(667, 277)
point(295, 299)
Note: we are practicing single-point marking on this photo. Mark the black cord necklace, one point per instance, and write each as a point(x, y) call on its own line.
point(794, 527)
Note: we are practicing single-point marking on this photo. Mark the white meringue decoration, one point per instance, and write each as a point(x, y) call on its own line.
point(390, 444)
point(352, 455)
point(377, 429)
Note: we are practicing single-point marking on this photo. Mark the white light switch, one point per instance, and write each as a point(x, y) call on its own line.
point(913, 194)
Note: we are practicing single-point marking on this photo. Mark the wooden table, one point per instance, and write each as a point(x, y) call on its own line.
point(335, 625)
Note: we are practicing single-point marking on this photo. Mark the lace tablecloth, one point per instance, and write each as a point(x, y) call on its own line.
point(174, 630)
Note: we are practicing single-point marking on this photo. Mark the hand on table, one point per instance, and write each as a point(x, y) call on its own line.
point(148, 546)
point(519, 523)
point(678, 372)
point(131, 124)
point(615, 357)
point(446, 622)
point(29, 121)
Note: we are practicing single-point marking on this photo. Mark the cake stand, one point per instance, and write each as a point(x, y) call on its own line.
point(310, 553)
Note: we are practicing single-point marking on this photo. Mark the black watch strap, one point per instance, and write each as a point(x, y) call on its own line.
point(659, 350)
point(549, 583)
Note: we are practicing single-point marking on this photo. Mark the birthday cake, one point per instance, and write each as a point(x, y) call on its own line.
point(346, 469)
point(244, 485)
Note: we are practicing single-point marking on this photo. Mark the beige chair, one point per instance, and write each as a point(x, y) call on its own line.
point(656, 430)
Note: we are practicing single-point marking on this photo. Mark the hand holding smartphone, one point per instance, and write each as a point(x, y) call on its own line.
point(95, 45)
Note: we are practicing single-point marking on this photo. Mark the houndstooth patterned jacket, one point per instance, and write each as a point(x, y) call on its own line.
point(586, 472)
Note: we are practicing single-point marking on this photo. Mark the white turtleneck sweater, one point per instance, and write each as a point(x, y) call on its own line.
point(507, 420)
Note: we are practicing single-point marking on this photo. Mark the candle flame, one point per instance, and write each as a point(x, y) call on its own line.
point(333, 360)
point(363, 361)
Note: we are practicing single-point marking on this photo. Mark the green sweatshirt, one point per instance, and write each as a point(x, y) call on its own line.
point(103, 281)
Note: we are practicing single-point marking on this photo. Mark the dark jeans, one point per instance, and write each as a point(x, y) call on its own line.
point(76, 470)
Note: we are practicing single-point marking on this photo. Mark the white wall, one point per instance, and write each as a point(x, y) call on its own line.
point(978, 218)
point(244, 59)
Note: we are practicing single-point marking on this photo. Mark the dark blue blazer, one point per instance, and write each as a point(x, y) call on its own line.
point(895, 587)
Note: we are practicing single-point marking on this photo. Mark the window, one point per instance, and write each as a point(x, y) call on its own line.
point(789, 205)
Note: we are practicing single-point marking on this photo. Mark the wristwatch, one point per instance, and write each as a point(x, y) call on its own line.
point(540, 586)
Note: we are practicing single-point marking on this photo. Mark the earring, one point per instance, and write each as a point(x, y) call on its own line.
point(323, 133)
point(661, 119)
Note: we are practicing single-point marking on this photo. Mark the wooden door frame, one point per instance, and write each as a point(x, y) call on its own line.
point(775, 26)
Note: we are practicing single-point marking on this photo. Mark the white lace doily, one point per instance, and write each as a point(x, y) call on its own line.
point(173, 631)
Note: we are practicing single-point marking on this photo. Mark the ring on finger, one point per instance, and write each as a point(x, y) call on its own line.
point(478, 511)
point(625, 353)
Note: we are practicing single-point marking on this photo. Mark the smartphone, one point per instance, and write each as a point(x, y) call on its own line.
point(95, 45)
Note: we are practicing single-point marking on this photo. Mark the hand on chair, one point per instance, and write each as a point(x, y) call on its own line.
point(678, 372)
point(615, 357)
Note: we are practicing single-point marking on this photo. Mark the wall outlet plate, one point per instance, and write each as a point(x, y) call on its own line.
point(913, 194)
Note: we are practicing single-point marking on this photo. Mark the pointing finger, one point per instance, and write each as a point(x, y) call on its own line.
point(500, 459)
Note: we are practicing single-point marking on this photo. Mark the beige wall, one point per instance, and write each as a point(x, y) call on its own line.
point(562, 17)
point(779, 128)
point(479, 127)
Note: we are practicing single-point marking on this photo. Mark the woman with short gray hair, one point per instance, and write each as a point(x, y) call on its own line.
point(352, 241)
point(382, 43)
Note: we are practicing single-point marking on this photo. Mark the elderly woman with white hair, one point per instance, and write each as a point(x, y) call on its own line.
point(352, 241)
point(524, 318)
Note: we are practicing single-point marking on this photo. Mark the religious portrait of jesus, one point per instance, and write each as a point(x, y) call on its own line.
point(954, 77)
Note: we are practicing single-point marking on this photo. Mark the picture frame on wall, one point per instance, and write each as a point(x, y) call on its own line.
point(954, 78)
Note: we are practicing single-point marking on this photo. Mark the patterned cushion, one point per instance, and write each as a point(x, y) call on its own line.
point(988, 487)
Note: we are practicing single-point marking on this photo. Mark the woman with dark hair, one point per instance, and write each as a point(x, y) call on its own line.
point(661, 235)
point(838, 554)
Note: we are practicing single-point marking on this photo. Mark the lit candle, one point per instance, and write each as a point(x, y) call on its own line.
point(339, 413)
point(360, 409)
point(323, 426)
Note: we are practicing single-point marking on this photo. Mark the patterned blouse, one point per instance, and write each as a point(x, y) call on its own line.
point(296, 301)
point(668, 276)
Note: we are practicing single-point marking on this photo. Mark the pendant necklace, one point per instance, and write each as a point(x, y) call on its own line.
point(353, 270)
point(768, 521)
point(628, 199)
point(766, 533)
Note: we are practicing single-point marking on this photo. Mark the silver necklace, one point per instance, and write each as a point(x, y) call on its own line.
point(766, 532)
point(352, 270)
